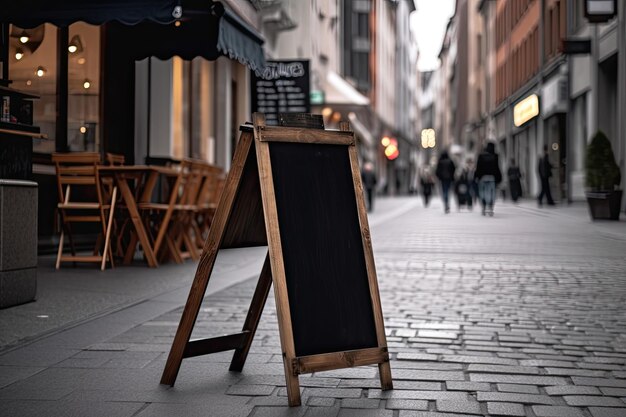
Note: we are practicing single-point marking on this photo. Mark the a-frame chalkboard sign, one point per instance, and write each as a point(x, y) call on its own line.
point(298, 191)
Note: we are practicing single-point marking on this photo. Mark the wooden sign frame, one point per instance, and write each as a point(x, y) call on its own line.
point(231, 228)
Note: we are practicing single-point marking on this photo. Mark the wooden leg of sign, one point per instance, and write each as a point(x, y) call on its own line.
point(205, 267)
point(384, 372)
point(270, 212)
point(254, 315)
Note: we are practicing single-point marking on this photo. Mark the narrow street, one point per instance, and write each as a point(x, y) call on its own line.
point(519, 314)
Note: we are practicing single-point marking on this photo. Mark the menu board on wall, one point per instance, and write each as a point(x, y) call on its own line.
point(283, 88)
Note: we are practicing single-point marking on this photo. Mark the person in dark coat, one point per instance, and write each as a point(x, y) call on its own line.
point(544, 167)
point(515, 184)
point(368, 177)
point(427, 183)
point(445, 173)
point(488, 175)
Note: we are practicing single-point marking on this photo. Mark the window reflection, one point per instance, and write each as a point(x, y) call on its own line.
point(33, 69)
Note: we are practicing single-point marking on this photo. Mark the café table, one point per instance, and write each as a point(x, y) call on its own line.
point(144, 178)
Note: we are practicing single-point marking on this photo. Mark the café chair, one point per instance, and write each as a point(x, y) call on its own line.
point(77, 176)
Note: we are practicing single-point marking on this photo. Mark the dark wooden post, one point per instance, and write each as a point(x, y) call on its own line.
point(62, 89)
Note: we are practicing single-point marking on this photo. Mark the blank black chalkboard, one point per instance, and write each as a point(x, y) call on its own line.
point(327, 283)
point(300, 185)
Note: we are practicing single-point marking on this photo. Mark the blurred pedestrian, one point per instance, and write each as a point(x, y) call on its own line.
point(515, 184)
point(368, 177)
point(488, 175)
point(471, 173)
point(544, 167)
point(427, 183)
point(445, 173)
point(463, 189)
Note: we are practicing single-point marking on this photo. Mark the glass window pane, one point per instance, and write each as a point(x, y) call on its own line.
point(83, 132)
point(32, 68)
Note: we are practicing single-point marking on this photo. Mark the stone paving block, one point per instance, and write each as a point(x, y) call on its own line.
point(316, 381)
point(349, 373)
point(572, 390)
point(607, 412)
point(615, 392)
point(405, 333)
point(522, 389)
point(434, 366)
point(320, 402)
point(505, 409)
point(418, 395)
point(413, 413)
point(360, 403)
point(402, 385)
point(416, 356)
point(11, 374)
point(346, 412)
point(321, 412)
point(250, 390)
point(557, 411)
point(334, 392)
point(599, 382)
point(428, 375)
point(459, 406)
point(276, 412)
point(270, 401)
point(493, 360)
point(575, 372)
point(504, 369)
point(589, 401)
point(518, 379)
point(398, 404)
point(437, 334)
point(436, 326)
point(66, 408)
point(544, 363)
point(515, 398)
point(467, 386)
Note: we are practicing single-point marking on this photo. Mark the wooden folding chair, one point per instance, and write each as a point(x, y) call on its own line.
point(158, 214)
point(78, 172)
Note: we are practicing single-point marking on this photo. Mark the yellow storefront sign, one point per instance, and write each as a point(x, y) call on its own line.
point(525, 110)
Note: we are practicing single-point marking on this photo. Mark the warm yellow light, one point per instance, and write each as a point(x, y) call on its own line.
point(81, 61)
point(29, 82)
point(19, 54)
point(72, 48)
point(177, 23)
point(428, 138)
point(336, 116)
point(40, 71)
point(390, 150)
point(83, 129)
point(525, 110)
point(86, 84)
point(24, 38)
point(327, 111)
point(385, 141)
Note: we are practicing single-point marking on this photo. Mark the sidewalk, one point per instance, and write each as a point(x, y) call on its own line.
point(519, 314)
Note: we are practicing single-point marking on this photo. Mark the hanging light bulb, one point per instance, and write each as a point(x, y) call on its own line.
point(19, 54)
point(75, 45)
point(81, 61)
point(24, 37)
point(83, 129)
point(41, 71)
point(86, 84)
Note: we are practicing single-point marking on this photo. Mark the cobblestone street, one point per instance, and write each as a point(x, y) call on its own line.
point(521, 314)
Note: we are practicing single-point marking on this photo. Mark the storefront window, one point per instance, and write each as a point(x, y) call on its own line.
point(83, 130)
point(33, 69)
